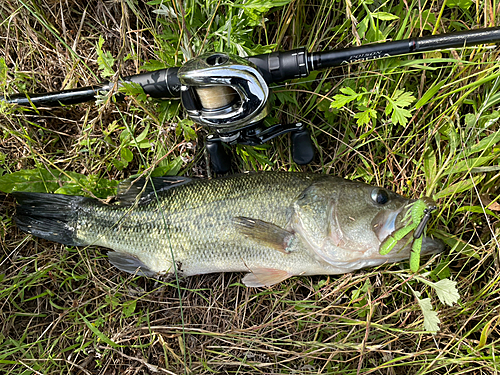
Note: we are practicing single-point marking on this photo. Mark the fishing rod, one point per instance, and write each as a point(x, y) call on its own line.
point(229, 94)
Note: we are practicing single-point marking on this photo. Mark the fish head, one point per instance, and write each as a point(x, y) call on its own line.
point(344, 223)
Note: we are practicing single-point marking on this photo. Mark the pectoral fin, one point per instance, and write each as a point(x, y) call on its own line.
point(261, 231)
point(259, 277)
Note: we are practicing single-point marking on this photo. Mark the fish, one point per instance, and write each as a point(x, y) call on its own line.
point(271, 225)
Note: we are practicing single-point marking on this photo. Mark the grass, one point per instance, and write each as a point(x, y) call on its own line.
point(66, 311)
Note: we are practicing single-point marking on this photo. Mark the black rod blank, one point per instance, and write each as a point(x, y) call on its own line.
point(402, 47)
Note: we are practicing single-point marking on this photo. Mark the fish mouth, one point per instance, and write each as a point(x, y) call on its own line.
point(384, 224)
point(389, 221)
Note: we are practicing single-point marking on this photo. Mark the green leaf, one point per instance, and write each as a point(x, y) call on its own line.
point(463, 4)
point(32, 180)
point(431, 319)
point(3, 71)
point(126, 154)
point(129, 308)
point(365, 116)
point(340, 100)
point(104, 59)
point(384, 16)
point(468, 165)
point(447, 291)
point(430, 165)
point(429, 94)
point(143, 135)
point(396, 104)
point(261, 5)
point(459, 187)
point(484, 144)
point(98, 333)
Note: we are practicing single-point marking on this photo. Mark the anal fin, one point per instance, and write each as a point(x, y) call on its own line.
point(129, 263)
point(259, 277)
point(262, 231)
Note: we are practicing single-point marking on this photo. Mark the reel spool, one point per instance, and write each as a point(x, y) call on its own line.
point(225, 93)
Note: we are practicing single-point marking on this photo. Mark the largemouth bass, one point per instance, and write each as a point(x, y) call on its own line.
point(271, 225)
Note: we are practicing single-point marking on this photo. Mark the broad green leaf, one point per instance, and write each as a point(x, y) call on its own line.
point(126, 154)
point(484, 144)
point(365, 116)
point(32, 180)
point(459, 187)
point(129, 308)
point(430, 165)
point(477, 210)
point(3, 71)
point(431, 319)
point(143, 135)
point(469, 164)
point(463, 4)
point(340, 100)
point(395, 107)
point(261, 5)
point(384, 16)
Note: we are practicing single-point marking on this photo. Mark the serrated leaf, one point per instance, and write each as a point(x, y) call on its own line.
point(396, 104)
point(400, 116)
point(104, 59)
point(431, 319)
point(365, 116)
point(403, 98)
point(340, 100)
point(447, 291)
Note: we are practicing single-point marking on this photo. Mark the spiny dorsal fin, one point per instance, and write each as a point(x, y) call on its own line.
point(262, 231)
point(259, 277)
point(128, 190)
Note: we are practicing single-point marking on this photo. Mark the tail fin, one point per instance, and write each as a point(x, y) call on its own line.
point(49, 216)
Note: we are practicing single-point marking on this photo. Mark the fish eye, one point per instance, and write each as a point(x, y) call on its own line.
point(380, 196)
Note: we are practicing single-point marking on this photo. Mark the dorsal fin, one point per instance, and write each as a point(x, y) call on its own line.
point(143, 189)
point(262, 231)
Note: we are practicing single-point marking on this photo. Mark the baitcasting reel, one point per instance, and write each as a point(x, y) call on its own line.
point(229, 94)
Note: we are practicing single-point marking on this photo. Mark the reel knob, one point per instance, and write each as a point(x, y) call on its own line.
point(219, 156)
point(223, 92)
point(302, 147)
